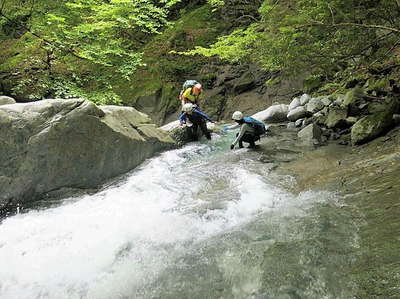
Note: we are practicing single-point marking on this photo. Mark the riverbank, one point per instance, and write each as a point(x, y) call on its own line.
point(55, 145)
point(367, 180)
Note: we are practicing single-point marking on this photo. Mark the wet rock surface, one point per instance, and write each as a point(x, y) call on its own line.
point(53, 144)
point(4, 100)
point(367, 179)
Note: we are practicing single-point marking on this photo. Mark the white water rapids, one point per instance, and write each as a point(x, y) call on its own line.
point(180, 212)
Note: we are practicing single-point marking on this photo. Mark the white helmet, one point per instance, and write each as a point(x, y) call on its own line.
point(237, 115)
point(187, 107)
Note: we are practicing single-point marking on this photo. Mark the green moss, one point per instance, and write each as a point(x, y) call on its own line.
point(214, 106)
point(208, 79)
point(381, 84)
point(352, 100)
point(370, 127)
point(21, 53)
point(273, 81)
point(313, 82)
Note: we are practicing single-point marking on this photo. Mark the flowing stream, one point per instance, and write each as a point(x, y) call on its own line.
point(197, 222)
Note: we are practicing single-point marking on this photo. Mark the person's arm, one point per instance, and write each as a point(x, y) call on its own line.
point(240, 135)
point(203, 115)
point(243, 129)
point(231, 127)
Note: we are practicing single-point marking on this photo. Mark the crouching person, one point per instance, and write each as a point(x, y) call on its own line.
point(197, 118)
point(250, 130)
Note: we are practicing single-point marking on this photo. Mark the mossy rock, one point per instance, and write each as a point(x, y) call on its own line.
point(370, 127)
point(168, 103)
point(244, 83)
point(273, 81)
point(378, 86)
point(208, 79)
point(180, 136)
point(382, 105)
point(214, 106)
point(336, 117)
point(353, 99)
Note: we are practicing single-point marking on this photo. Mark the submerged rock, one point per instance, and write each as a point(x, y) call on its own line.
point(291, 125)
point(311, 133)
point(51, 144)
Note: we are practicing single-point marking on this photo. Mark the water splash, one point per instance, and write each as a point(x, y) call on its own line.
point(120, 242)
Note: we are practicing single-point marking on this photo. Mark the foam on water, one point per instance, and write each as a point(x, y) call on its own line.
point(112, 243)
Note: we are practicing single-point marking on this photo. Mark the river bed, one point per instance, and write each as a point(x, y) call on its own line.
point(196, 222)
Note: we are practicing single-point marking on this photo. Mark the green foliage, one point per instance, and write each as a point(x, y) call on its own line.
point(101, 94)
point(235, 47)
point(103, 38)
point(99, 31)
point(216, 3)
point(315, 35)
point(161, 63)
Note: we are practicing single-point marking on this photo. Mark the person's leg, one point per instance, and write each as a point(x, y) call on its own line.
point(203, 127)
point(193, 129)
point(249, 138)
point(252, 143)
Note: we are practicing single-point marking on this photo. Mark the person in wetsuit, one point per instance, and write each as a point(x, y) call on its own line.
point(197, 118)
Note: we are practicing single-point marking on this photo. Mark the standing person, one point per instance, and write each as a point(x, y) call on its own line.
point(197, 118)
point(192, 92)
point(250, 130)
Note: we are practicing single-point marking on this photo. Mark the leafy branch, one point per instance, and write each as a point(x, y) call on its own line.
point(368, 26)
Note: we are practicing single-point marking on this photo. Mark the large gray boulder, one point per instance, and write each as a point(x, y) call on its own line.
point(297, 113)
point(311, 134)
point(275, 113)
point(294, 104)
point(52, 144)
point(314, 105)
point(4, 100)
point(304, 99)
point(326, 100)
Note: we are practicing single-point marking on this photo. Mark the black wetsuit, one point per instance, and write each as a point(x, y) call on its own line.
point(198, 119)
